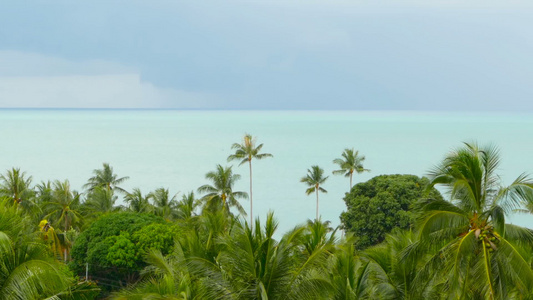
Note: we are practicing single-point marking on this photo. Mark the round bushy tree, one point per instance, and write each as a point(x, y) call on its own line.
point(114, 246)
point(376, 207)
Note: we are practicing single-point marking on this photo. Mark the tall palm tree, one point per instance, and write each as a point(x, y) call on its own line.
point(314, 179)
point(105, 178)
point(349, 163)
point(137, 202)
point(63, 207)
point(16, 185)
point(220, 194)
point(479, 254)
point(245, 152)
point(165, 205)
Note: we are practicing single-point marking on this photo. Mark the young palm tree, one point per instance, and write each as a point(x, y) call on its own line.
point(63, 207)
point(314, 179)
point(105, 178)
point(164, 204)
point(349, 163)
point(392, 273)
point(479, 255)
point(165, 278)
point(245, 152)
point(220, 195)
point(137, 202)
point(254, 265)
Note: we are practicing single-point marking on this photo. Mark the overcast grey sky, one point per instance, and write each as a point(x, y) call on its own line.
point(378, 55)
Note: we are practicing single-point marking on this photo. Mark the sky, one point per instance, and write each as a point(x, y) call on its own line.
point(474, 55)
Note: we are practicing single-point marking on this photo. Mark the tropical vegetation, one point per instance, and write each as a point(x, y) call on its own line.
point(401, 239)
point(245, 152)
point(383, 203)
point(350, 162)
point(314, 180)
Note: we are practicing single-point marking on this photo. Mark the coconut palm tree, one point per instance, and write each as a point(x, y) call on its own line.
point(479, 255)
point(186, 206)
point(137, 202)
point(105, 178)
point(348, 274)
point(62, 209)
point(349, 163)
point(165, 278)
point(27, 269)
point(314, 179)
point(392, 274)
point(220, 194)
point(245, 152)
point(43, 192)
point(16, 185)
point(28, 272)
point(100, 200)
point(164, 204)
point(257, 266)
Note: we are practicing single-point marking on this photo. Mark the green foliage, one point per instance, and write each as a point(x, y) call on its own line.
point(314, 179)
point(159, 236)
point(28, 270)
point(164, 204)
point(376, 207)
point(109, 247)
point(16, 185)
point(350, 162)
point(123, 253)
point(220, 195)
point(106, 179)
point(245, 152)
point(479, 256)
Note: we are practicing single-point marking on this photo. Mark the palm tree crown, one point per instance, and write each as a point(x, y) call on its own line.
point(349, 163)
point(221, 194)
point(245, 152)
point(165, 204)
point(314, 179)
point(63, 206)
point(470, 230)
point(16, 185)
point(105, 178)
point(137, 202)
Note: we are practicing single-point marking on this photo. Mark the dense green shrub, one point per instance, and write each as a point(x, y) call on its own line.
point(376, 207)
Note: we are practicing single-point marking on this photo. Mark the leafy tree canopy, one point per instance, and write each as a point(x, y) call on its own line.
point(115, 244)
point(381, 204)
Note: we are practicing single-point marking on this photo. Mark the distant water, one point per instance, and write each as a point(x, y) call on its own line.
point(174, 149)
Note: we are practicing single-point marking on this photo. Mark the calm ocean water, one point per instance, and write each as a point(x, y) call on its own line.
point(174, 149)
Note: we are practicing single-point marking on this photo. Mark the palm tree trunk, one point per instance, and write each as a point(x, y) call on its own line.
point(317, 203)
point(351, 174)
point(251, 197)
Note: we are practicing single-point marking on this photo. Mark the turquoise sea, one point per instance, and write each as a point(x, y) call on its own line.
point(175, 149)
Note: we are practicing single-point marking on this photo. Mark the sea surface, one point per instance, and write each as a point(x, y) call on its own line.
point(175, 149)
